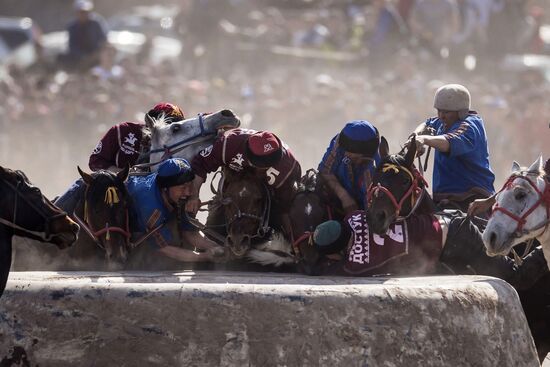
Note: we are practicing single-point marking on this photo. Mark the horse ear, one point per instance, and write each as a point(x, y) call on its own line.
point(85, 176)
point(384, 148)
point(515, 167)
point(123, 175)
point(411, 152)
point(536, 167)
point(149, 122)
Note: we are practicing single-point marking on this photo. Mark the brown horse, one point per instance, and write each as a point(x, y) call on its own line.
point(307, 211)
point(103, 215)
point(242, 212)
point(25, 212)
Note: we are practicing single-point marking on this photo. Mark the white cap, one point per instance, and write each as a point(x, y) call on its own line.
point(83, 5)
point(452, 97)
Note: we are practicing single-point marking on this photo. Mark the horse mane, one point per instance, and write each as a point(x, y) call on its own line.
point(158, 122)
point(104, 179)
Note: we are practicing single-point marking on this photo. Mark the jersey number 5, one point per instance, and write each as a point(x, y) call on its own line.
point(271, 174)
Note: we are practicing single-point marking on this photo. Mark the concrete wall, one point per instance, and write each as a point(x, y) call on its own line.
point(236, 319)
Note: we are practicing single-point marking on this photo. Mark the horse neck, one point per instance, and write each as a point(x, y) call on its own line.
point(427, 205)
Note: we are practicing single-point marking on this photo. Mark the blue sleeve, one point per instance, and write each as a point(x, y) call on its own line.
point(433, 122)
point(329, 163)
point(463, 139)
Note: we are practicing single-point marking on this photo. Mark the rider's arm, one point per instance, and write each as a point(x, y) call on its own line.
point(348, 203)
point(182, 254)
point(104, 154)
point(438, 142)
point(195, 239)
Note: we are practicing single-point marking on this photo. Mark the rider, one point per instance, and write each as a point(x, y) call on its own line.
point(462, 172)
point(348, 165)
point(157, 198)
point(118, 148)
point(122, 144)
point(450, 239)
point(259, 152)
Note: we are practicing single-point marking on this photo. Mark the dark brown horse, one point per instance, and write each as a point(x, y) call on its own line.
point(307, 211)
point(243, 214)
point(103, 215)
point(25, 212)
point(398, 189)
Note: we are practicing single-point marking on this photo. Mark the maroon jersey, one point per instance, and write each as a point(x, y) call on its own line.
point(119, 147)
point(412, 246)
point(229, 150)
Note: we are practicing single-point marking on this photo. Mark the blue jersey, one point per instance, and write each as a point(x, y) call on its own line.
point(466, 165)
point(353, 178)
point(150, 209)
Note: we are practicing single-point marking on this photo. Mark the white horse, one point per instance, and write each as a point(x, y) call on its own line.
point(521, 212)
point(184, 139)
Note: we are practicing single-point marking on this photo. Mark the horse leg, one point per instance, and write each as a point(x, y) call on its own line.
point(5, 258)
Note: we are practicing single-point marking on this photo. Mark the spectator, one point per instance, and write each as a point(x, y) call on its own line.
point(87, 36)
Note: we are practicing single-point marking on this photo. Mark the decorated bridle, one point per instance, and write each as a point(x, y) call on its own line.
point(111, 198)
point(45, 235)
point(543, 199)
point(415, 191)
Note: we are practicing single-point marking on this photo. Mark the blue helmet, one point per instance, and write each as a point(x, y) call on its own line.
point(359, 136)
point(174, 172)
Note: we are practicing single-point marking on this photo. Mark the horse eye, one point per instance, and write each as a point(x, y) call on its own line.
point(520, 195)
point(176, 128)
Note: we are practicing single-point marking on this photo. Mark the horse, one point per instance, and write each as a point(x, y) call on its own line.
point(103, 214)
point(521, 212)
point(241, 211)
point(397, 190)
point(26, 212)
point(185, 139)
point(307, 211)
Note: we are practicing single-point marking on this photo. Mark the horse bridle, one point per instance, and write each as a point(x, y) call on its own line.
point(170, 150)
point(543, 199)
point(263, 220)
point(45, 235)
point(415, 192)
point(111, 197)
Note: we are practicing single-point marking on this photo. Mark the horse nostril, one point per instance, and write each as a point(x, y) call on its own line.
point(227, 113)
point(381, 217)
point(492, 238)
point(75, 227)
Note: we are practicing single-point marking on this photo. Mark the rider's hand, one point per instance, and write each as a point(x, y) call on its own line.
point(192, 205)
point(480, 206)
point(420, 147)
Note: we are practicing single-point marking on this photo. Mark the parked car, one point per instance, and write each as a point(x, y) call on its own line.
point(20, 41)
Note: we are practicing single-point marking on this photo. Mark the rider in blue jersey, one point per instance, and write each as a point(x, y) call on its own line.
point(349, 163)
point(156, 198)
point(462, 172)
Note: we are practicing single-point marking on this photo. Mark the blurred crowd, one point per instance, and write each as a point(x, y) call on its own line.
point(301, 72)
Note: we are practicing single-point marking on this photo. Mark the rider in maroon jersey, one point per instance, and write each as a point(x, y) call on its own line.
point(121, 145)
point(118, 148)
point(261, 152)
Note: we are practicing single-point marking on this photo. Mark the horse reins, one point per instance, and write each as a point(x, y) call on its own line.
point(415, 192)
point(46, 235)
point(544, 199)
point(111, 198)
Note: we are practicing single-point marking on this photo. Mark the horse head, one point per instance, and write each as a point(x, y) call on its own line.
point(105, 214)
point(29, 214)
point(185, 139)
point(397, 188)
point(307, 211)
point(246, 207)
point(521, 212)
